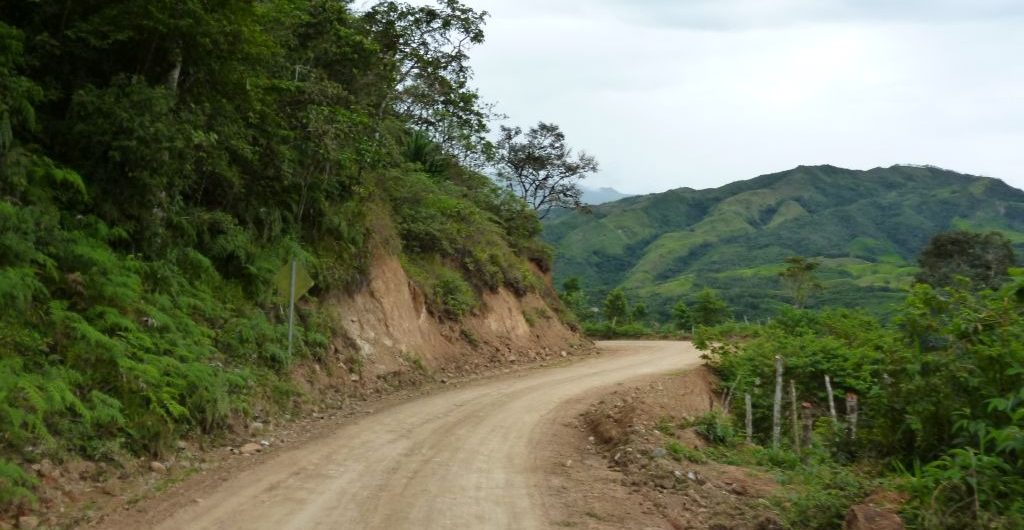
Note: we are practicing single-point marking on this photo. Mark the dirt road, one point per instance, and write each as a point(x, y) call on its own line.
point(464, 458)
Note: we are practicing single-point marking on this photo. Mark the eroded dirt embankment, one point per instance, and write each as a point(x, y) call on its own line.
point(385, 334)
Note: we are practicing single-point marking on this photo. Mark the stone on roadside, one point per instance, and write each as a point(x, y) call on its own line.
point(28, 522)
point(157, 467)
point(250, 449)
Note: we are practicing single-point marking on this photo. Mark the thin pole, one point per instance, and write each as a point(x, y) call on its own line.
point(851, 414)
point(831, 399)
point(777, 405)
point(291, 309)
point(796, 419)
point(750, 419)
point(808, 425)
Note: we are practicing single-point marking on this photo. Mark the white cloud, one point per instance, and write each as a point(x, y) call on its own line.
point(699, 93)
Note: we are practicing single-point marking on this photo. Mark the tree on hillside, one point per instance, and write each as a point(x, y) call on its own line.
point(681, 316)
point(574, 298)
point(425, 49)
point(616, 308)
point(540, 168)
point(984, 259)
point(798, 278)
point(639, 313)
point(709, 308)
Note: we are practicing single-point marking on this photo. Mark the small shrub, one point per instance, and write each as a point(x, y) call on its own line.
point(716, 428)
point(416, 362)
point(666, 426)
point(15, 485)
point(534, 315)
point(470, 337)
point(681, 452)
point(455, 296)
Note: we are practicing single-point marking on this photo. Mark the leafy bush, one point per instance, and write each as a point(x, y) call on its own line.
point(448, 294)
point(940, 388)
point(606, 330)
point(454, 295)
point(681, 452)
point(716, 428)
point(820, 494)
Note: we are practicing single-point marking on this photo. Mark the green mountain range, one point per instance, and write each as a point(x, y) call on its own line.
point(865, 228)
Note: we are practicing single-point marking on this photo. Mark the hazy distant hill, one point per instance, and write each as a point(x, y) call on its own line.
point(866, 227)
point(602, 195)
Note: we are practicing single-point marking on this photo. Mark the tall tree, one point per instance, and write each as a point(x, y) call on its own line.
point(709, 308)
point(639, 313)
point(984, 259)
point(681, 316)
point(616, 308)
point(541, 169)
point(798, 278)
point(426, 48)
point(574, 298)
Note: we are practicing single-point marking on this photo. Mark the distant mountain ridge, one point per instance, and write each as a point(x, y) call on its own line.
point(595, 196)
point(865, 227)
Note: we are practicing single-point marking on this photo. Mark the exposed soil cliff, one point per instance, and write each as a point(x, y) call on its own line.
point(385, 337)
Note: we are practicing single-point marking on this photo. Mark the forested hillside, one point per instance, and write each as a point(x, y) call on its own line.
point(160, 162)
point(865, 228)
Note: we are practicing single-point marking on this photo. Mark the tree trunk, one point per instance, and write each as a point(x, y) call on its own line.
point(175, 74)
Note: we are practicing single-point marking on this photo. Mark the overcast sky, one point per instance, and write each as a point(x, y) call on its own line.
point(672, 93)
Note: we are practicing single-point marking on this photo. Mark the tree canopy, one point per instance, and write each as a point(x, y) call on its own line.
point(984, 259)
point(798, 278)
point(540, 168)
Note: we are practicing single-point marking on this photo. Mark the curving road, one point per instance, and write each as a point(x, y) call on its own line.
point(463, 458)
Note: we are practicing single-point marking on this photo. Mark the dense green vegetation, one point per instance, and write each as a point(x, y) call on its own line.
point(161, 161)
point(865, 229)
point(940, 388)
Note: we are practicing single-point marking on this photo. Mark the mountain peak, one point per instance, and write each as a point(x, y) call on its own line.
point(866, 227)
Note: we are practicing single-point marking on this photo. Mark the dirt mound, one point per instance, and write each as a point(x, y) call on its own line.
point(634, 464)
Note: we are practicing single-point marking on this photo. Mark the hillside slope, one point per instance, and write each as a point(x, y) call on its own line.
point(866, 228)
point(157, 178)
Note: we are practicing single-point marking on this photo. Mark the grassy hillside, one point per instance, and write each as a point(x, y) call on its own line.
point(865, 227)
point(160, 163)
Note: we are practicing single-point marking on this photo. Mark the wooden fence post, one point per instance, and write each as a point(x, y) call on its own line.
point(793, 413)
point(750, 419)
point(831, 399)
point(851, 414)
point(777, 405)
